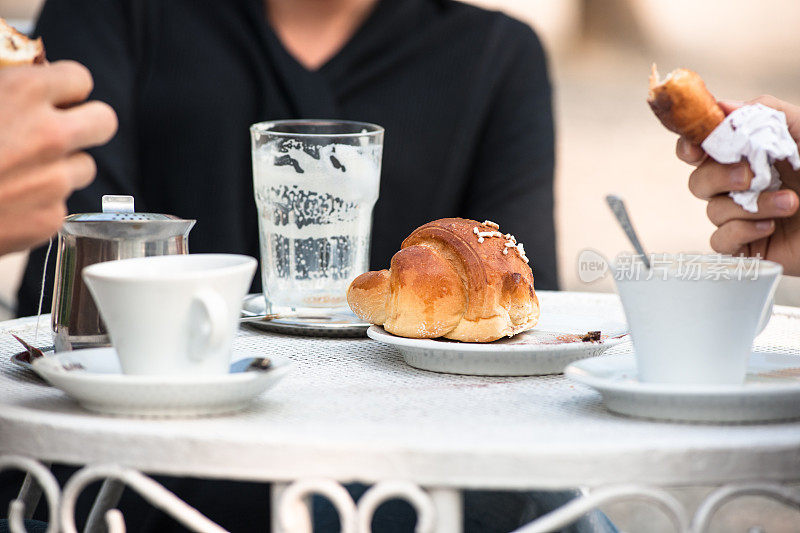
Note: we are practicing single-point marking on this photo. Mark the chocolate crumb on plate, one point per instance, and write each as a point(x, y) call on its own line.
point(591, 336)
point(260, 363)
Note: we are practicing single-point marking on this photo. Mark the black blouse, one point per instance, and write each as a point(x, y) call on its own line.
point(463, 94)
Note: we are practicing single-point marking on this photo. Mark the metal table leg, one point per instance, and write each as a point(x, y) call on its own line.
point(449, 506)
point(30, 493)
point(38, 480)
point(276, 491)
point(107, 498)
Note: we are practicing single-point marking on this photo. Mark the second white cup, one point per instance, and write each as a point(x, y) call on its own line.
point(693, 318)
point(174, 315)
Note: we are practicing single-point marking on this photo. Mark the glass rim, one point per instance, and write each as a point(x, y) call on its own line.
point(373, 130)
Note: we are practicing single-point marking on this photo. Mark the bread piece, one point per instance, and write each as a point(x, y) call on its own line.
point(683, 104)
point(17, 49)
point(453, 278)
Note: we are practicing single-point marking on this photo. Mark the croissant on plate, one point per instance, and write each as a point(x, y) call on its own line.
point(454, 278)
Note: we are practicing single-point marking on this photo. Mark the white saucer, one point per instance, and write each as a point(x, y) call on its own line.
point(771, 391)
point(547, 349)
point(22, 359)
point(341, 323)
point(93, 378)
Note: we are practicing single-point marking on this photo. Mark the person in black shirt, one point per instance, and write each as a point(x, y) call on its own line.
point(463, 93)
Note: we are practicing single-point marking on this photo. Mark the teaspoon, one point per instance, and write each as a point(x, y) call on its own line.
point(617, 206)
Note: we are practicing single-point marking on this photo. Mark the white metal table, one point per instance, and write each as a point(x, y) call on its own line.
point(352, 410)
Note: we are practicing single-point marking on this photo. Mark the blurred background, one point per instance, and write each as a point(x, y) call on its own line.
point(608, 141)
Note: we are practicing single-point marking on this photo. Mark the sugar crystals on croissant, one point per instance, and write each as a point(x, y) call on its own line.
point(454, 278)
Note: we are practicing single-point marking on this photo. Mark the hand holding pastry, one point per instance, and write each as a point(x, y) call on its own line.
point(453, 278)
point(770, 225)
point(774, 231)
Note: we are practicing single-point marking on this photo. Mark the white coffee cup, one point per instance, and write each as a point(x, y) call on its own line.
point(693, 317)
point(173, 314)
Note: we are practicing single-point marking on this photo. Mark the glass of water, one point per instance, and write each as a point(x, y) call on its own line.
point(315, 182)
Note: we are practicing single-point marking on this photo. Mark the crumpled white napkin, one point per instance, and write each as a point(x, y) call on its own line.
point(760, 134)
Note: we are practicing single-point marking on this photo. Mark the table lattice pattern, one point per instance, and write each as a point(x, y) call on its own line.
point(352, 410)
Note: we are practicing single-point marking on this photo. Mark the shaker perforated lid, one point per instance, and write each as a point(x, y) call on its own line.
point(118, 220)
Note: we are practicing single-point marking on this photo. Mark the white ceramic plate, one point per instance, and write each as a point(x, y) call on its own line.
point(771, 391)
point(547, 349)
point(93, 378)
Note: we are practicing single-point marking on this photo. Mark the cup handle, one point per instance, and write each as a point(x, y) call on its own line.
point(209, 323)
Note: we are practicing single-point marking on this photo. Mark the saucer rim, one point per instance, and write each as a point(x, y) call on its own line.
point(379, 334)
point(577, 372)
point(50, 365)
point(26, 365)
point(356, 326)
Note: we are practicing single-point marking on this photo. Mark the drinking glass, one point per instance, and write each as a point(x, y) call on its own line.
point(316, 183)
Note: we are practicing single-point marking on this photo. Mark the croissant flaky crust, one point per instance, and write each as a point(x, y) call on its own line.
point(684, 105)
point(454, 278)
point(17, 49)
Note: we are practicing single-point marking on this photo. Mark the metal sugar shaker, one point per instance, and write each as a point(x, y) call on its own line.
point(87, 238)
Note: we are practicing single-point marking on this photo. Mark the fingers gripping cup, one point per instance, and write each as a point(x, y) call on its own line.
point(315, 185)
point(172, 314)
point(693, 317)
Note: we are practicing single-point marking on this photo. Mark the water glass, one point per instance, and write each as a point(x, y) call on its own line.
point(316, 183)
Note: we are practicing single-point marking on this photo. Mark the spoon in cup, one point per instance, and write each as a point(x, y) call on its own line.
point(617, 206)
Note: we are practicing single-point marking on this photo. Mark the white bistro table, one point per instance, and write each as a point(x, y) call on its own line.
point(352, 410)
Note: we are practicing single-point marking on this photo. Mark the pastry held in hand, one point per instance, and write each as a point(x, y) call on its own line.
point(759, 134)
point(17, 49)
point(756, 132)
point(453, 278)
point(683, 104)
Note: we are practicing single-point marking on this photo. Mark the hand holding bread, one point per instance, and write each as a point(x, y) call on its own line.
point(685, 106)
point(453, 278)
point(774, 231)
